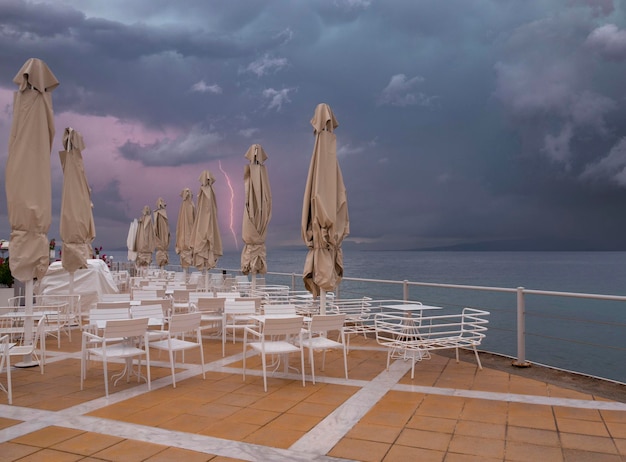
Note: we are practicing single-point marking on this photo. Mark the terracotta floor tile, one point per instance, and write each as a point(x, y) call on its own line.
point(4, 423)
point(588, 443)
point(482, 410)
point(441, 406)
point(372, 432)
point(453, 457)
point(270, 437)
point(215, 411)
point(614, 416)
point(50, 455)
point(523, 452)
point(229, 430)
point(185, 455)
point(365, 451)
point(617, 430)
point(87, 443)
point(576, 455)
point(237, 399)
point(481, 429)
point(435, 424)
point(312, 409)
point(252, 416)
point(188, 423)
point(575, 413)
point(153, 416)
point(621, 446)
point(472, 445)
point(13, 451)
point(585, 427)
point(424, 439)
point(47, 436)
point(274, 403)
point(295, 422)
point(129, 451)
point(532, 435)
point(399, 453)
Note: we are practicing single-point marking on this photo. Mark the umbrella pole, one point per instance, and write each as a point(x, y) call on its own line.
point(253, 281)
point(27, 360)
point(71, 292)
point(206, 280)
point(322, 301)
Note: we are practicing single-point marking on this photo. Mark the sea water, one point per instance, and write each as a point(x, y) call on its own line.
point(583, 335)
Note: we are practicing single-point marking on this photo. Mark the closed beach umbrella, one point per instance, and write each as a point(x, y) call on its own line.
point(28, 180)
point(206, 240)
point(76, 225)
point(130, 240)
point(161, 233)
point(145, 239)
point(184, 226)
point(257, 212)
point(325, 221)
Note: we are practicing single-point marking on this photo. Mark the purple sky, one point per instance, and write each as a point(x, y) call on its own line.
point(461, 121)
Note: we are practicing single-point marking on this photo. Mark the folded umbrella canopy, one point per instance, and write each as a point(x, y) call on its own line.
point(77, 227)
point(206, 240)
point(28, 181)
point(325, 221)
point(162, 234)
point(130, 240)
point(257, 212)
point(145, 239)
point(184, 226)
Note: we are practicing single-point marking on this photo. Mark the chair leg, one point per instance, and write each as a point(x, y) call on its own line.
point(480, 366)
point(312, 361)
point(302, 365)
point(345, 362)
point(106, 377)
point(172, 368)
point(263, 361)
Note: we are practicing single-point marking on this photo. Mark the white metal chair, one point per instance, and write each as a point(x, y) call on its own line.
point(156, 319)
point(278, 336)
point(212, 312)
point(182, 326)
point(26, 350)
point(5, 365)
point(315, 338)
point(122, 339)
point(236, 315)
point(280, 309)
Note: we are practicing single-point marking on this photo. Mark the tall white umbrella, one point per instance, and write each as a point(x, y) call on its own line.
point(162, 234)
point(256, 214)
point(184, 227)
point(206, 240)
point(28, 181)
point(130, 240)
point(145, 240)
point(77, 226)
point(325, 221)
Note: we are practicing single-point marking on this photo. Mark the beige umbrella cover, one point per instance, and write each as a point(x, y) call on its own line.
point(162, 234)
point(257, 212)
point(325, 208)
point(145, 239)
point(184, 226)
point(77, 227)
point(27, 180)
point(131, 239)
point(206, 240)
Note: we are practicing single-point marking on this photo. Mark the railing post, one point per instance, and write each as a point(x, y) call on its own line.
point(405, 290)
point(293, 281)
point(521, 330)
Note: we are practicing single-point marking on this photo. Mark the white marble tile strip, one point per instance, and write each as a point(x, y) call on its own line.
point(515, 398)
point(325, 435)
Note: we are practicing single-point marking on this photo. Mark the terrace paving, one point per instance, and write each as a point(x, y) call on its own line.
point(450, 412)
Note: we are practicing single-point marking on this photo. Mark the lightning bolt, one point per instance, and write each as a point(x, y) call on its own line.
point(232, 204)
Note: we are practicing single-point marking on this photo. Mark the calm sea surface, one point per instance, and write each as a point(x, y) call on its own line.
point(583, 335)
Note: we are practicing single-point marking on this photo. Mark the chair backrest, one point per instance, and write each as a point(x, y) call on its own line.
point(108, 314)
point(114, 297)
point(228, 295)
point(327, 322)
point(147, 311)
point(181, 323)
point(212, 304)
point(283, 326)
point(239, 306)
point(139, 294)
point(108, 305)
point(279, 309)
point(181, 295)
point(258, 302)
point(121, 328)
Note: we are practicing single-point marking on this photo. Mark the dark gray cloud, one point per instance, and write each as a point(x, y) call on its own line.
point(458, 121)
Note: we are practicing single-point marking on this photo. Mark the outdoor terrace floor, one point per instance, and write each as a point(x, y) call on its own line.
point(449, 412)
